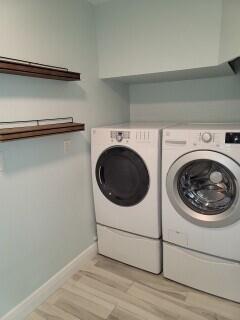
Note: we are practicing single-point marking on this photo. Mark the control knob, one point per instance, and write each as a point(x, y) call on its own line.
point(119, 137)
point(207, 137)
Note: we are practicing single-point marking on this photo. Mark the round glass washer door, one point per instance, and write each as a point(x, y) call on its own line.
point(203, 188)
point(122, 176)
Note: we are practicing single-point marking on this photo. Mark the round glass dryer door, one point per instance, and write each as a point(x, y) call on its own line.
point(122, 176)
point(203, 188)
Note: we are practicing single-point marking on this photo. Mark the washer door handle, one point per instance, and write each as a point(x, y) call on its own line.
point(101, 175)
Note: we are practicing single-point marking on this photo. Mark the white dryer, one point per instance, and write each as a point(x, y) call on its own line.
point(126, 172)
point(201, 207)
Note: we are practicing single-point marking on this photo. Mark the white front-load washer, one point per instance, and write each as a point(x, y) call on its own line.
point(126, 168)
point(201, 207)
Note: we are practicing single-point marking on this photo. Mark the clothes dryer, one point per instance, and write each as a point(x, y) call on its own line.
point(126, 170)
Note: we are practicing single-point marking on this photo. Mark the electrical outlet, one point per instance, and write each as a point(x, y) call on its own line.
point(67, 146)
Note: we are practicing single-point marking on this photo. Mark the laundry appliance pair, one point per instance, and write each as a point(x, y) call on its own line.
point(126, 172)
point(179, 183)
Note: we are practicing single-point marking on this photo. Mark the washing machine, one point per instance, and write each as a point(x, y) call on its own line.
point(201, 207)
point(126, 169)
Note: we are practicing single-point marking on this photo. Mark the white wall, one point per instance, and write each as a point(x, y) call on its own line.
point(46, 206)
point(206, 100)
point(149, 36)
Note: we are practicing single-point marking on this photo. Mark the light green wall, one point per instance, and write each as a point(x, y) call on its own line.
point(47, 215)
point(149, 36)
point(46, 205)
point(230, 39)
point(203, 100)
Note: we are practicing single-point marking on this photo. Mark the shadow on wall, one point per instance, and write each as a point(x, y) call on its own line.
point(117, 87)
point(25, 87)
point(207, 100)
point(24, 98)
point(42, 151)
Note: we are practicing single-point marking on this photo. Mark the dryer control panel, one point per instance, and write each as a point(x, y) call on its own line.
point(120, 135)
point(143, 136)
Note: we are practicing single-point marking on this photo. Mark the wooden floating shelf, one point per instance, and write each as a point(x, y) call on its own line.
point(30, 69)
point(39, 130)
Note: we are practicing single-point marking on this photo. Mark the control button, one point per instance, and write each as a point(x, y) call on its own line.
point(236, 139)
point(206, 137)
point(119, 136)
point(196, 139)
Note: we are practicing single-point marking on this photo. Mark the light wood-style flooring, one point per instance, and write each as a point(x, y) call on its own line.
point(106, 289)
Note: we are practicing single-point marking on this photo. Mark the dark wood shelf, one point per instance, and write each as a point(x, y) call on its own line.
point(30, 69)
point(39, 130)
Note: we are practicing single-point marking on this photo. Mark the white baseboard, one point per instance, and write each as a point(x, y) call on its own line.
point(40, 295)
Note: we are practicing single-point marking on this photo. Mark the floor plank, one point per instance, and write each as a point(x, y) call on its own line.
point(124, 300)
point(76, 310)
point(85, 301)
point(106, 307)
point(35, 316)
point(48, 311)
point(121, 314)
point(168, 303)
point(107, 289)
point(225, 308)
point(106, 276)
point(137, 275)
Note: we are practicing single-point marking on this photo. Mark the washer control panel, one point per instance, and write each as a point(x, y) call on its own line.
point(201, 139)
point(232, 137)
point(206, 138)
